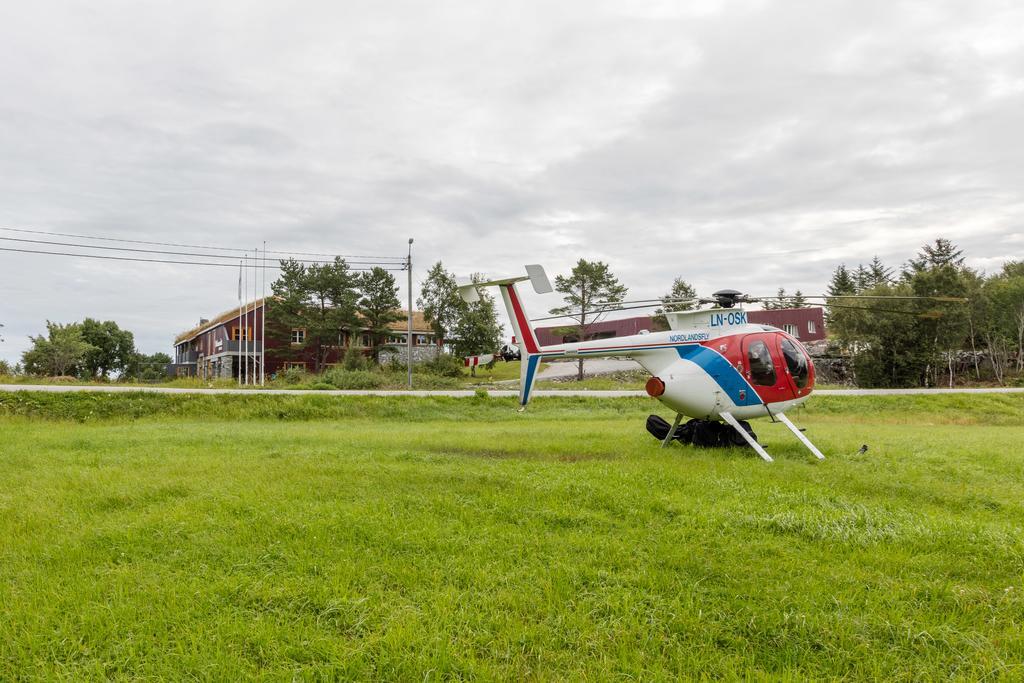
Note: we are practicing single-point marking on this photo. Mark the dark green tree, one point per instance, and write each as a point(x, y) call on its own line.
point(680, 297)
point(149, 367)
point(320, 299)
point(589, 284)
point(905, 343)
point(877, 273)
point(842, 283)
point(476, 330)
point(440, 301)
point(60, 352)
point(378, 306)
point(113, 349)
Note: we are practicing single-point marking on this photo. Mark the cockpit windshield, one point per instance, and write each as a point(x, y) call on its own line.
point(796, 361)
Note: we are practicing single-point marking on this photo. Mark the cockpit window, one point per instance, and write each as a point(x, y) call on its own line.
point(762, 371)
point(796, 361)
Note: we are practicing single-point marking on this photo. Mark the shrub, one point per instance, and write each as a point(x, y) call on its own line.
point(444, 365)
point(355, 360)
point(322, 386)
point(341, 378)
point(293, 376)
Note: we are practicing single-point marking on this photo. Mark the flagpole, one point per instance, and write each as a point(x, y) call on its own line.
point(255, 258)
point(244, 351)
point(238, 366)
point(263, 321)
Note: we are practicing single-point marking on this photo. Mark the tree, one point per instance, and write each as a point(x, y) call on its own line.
point(842, 283)
point(379, 305)
point(440, 301)
point(798, 300)
point(476, 329)
point(5, 368)
point(899, 342)
point(776, 302)
point(320, 299)
point(1005, 293)
point(588, 284)
point(58, 353)
point(941, 254)
point(149, 368)
point(681, 297)
point(877, 273)
point(113, 348)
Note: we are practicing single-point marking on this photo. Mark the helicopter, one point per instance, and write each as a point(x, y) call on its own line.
point(713, 365)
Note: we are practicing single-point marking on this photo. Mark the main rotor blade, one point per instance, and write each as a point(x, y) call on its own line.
point(573, 314)
point(931, 314)
point(946, 299)
point(657, 301)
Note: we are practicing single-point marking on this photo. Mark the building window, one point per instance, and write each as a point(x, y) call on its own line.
point(421, 340)
point(294, 366)
point(811, 327)
point(243, 333)
point(299, 335)
point(364, 340)
point(791, 329)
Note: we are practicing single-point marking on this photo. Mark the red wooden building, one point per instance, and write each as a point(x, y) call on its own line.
point(215, 349)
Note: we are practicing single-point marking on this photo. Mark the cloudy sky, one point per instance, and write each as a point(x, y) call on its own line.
point(744, 144)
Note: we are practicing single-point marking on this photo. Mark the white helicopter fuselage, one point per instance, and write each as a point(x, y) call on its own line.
point(701, 371)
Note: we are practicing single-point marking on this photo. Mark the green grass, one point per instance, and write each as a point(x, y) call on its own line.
point(322, 537)
point(501, 372)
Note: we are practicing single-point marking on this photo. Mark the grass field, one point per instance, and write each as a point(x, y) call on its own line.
point(316, 537)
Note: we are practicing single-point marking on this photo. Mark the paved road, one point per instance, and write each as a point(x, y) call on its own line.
point(466, 393)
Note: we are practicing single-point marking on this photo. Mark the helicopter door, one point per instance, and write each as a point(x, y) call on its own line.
point(764, 368)
point(797, 365)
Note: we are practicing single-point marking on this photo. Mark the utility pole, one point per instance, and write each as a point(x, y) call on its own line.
point(408, 339)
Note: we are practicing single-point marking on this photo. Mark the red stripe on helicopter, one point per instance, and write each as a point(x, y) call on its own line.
point(524, 324)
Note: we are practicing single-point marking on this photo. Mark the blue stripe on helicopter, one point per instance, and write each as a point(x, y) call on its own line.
point(710, 361)
point(531, 367)
point(721, 370)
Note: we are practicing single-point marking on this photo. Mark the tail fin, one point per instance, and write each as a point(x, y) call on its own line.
point(526, 339)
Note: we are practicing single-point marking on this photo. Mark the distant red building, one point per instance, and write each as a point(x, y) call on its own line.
point(214, 348)
point(806, 324)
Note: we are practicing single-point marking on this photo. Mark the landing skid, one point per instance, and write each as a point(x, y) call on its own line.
point(735, 424)
point(800, 435)
point(706, 433)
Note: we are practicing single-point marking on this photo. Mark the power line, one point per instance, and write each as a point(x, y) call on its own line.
point(192, 246)
point(160, 251)
point(145, 260)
